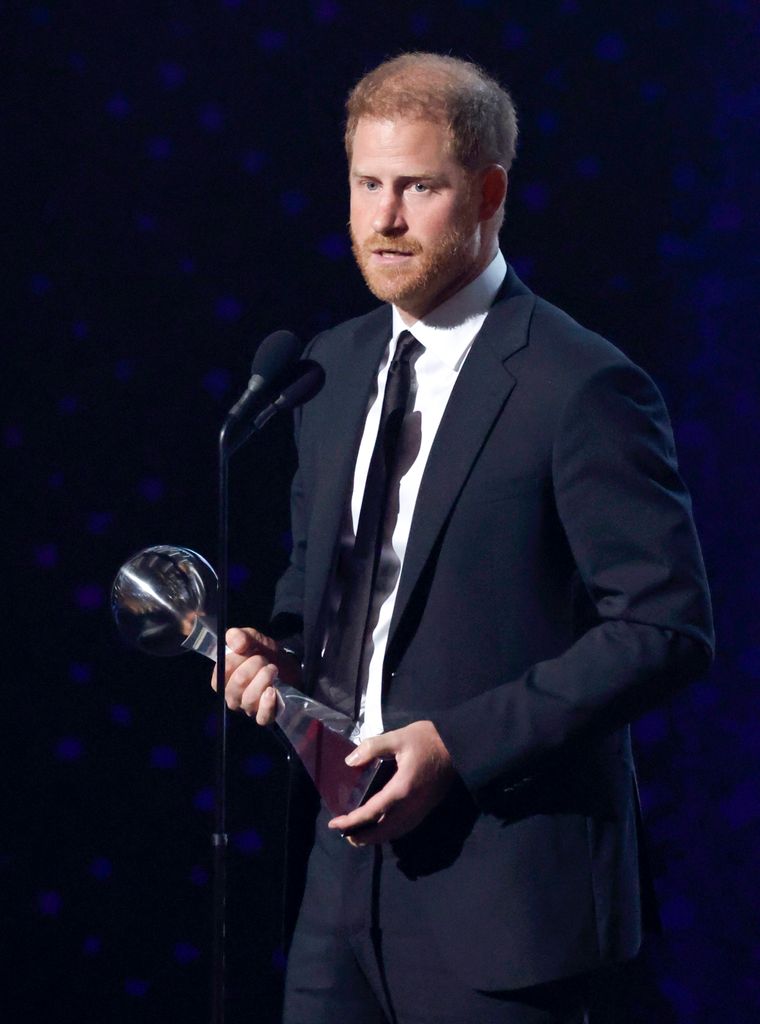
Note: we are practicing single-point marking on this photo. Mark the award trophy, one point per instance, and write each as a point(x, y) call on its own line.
point(164, 603)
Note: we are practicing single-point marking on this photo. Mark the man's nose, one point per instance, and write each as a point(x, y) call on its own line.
point(388, 216)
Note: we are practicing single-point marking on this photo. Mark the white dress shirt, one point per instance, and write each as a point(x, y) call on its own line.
point(446, 336)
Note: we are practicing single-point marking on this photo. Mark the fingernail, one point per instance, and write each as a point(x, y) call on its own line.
point(352, 758)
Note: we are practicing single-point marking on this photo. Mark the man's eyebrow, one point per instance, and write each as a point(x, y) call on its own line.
point(414, 176)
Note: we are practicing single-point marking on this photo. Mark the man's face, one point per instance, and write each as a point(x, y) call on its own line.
point(415, 223)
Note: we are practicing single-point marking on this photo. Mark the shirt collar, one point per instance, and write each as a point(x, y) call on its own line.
point(450, 328)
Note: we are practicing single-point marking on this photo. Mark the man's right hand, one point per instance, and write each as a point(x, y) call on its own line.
point(252, 664)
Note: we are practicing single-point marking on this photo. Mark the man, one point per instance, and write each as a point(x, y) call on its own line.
point(534, 582)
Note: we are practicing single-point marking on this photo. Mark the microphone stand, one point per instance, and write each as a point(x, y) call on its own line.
point(220, 837)
point(303, 387)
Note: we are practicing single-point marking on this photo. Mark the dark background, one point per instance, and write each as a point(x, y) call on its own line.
point(176, 190)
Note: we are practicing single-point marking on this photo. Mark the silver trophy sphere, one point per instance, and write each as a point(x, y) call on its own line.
point(164, 602)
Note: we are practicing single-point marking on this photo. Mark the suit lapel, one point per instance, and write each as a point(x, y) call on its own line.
point(481, 390)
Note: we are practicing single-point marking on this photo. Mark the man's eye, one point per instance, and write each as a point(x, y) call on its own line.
point(420, 187)
point(371, 186)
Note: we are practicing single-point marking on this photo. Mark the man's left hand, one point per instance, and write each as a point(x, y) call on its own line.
point(424, 774)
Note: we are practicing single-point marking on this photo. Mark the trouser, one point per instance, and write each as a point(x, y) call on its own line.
point(361, 954)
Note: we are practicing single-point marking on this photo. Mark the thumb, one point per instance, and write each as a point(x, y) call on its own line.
point(368, 750)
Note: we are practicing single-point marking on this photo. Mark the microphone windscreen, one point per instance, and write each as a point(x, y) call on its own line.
point(275, 356)
point(309, 381)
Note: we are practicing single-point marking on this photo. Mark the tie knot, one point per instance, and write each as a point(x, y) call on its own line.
point(405, 346)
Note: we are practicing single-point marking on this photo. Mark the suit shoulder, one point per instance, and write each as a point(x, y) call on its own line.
point(556, 337)
point(330, 343)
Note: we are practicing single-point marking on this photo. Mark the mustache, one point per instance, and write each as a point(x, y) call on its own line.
point(375, 242)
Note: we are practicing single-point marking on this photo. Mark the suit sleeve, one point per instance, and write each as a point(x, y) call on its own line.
point(627, 518)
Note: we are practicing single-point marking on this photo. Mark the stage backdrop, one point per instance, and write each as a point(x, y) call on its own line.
point(178, 192)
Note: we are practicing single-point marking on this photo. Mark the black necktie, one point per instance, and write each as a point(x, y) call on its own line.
point(345, 646)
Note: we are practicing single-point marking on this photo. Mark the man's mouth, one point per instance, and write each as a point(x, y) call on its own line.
point(392, 255)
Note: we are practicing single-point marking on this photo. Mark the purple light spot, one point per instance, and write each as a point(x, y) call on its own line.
point(187, 265)
point(652, 91)
point(247, 841)
point(80, 672)
point(588, 166)
point(185, 953)
point(159, 148)
point(334, 246)
point(67, 405)
point(211, 117)
point(524, 266)
point(92, 945)
point(688, 1006)
point(49, 903)
point(198, 875)
point(163, 757)
point(620, 283)
point(101, 868)
point(726, 216)
point(326, 11)
point(228, 309)
point(217, 382)
point(293, 203)
point(743, 805)
point(69, 748)
point(80, 329)
point(253, 161)
point(40, 284)
point(678, 913)
point(749, 662)
point(238, 575)
point(514, 36)
point(652, 728)
point(258, 765)
point(151, 488)
point(124, 370)
point(56, 479)
point(419, 24)
point(535, 196)
point(118, 106)
point(40, 16)
point(172, 75)
point(204, 799)
point(271, 39)
point(136, 987)
point(121, 714)
point(671, 246)
point(13, 437)
point(706, 696)
point(653, 795)
point(98, 522)
point(611, 48)
point(145, 222)
point(547, 122)
point(685, 177)
point(89, 596)
point(46, 555)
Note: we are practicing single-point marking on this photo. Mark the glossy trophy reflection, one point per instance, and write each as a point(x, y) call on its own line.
point(164, 603)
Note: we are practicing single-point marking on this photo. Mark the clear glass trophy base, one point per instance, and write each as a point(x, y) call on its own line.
point(164, 602)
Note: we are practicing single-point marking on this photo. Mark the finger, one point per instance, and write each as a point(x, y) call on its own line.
point(370, 813)
point(241, 678)
point(267, 707)
point(246, 640)
point(259, 682)
point(387, 744)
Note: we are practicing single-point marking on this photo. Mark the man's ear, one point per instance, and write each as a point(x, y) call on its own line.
point(493, 190)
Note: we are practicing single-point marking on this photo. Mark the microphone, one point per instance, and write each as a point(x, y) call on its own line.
point(274, 357)
point(309, 380)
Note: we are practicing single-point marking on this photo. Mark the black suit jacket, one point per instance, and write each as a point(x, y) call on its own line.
point(552, 589)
